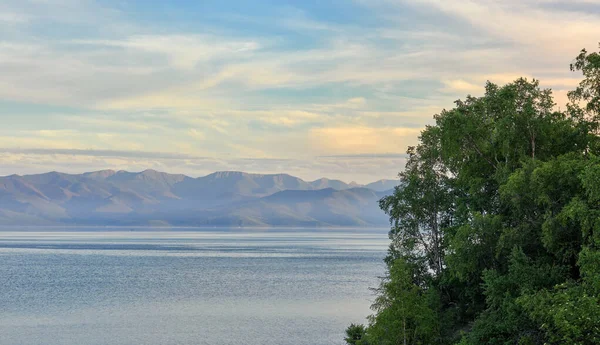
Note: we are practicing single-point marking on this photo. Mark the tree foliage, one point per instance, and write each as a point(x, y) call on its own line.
point(355, 335)
point(495, 235)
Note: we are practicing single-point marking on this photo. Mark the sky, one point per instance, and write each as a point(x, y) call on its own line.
point(312, 88)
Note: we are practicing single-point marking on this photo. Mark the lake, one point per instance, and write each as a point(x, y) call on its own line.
point(185, 286)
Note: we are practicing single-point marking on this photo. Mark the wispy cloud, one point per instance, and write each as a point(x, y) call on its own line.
point(103, 79)
point(182, 51)
point(363, 140)
point(370, 155)
point(99, 153)
point(13, 18)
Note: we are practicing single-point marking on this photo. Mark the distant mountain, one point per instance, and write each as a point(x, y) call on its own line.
point(223, 198)
point(327, 183)
point(324, 207)
point(383, 185)
point(238, 185)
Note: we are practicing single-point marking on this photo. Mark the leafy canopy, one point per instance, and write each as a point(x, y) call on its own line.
point(495, 228)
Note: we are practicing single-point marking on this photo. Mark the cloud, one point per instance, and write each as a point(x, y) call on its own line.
point(13, 18)
point(461, 87)
point(183, 51)
point(369, 155)
point(284, 82)
point(99, 153)
point(211, 71)
point(196, 134)
point(525, 22)
point(363, 140)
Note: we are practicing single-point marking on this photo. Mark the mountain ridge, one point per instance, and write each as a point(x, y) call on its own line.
point(109, 197)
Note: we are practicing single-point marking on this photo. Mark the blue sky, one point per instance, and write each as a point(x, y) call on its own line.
point(312, 88)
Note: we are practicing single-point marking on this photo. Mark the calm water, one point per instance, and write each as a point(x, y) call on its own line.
point(185, 287)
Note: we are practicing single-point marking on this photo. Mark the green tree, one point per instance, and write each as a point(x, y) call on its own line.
point(355, 335)
point(588, 91)
point(421, 208)
point(495, 235)
point(403, 311)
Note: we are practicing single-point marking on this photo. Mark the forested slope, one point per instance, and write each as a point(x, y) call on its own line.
point(496, 234)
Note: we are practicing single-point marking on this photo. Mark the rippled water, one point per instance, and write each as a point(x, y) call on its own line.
point(185, 287)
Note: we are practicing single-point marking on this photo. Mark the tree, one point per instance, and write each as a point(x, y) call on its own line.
point(403, 311)
point(495, 227)
point(420, 208)
point(569, 312)
point(588, 90)
point(355, 335)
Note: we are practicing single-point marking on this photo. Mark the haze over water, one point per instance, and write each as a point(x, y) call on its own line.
point(185, 287)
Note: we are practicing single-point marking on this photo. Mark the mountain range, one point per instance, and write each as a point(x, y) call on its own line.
point(151, 197)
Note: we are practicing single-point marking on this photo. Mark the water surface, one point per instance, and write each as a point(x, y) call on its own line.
point(195, 286)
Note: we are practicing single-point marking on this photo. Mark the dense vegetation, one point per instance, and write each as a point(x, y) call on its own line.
point(495, 233)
